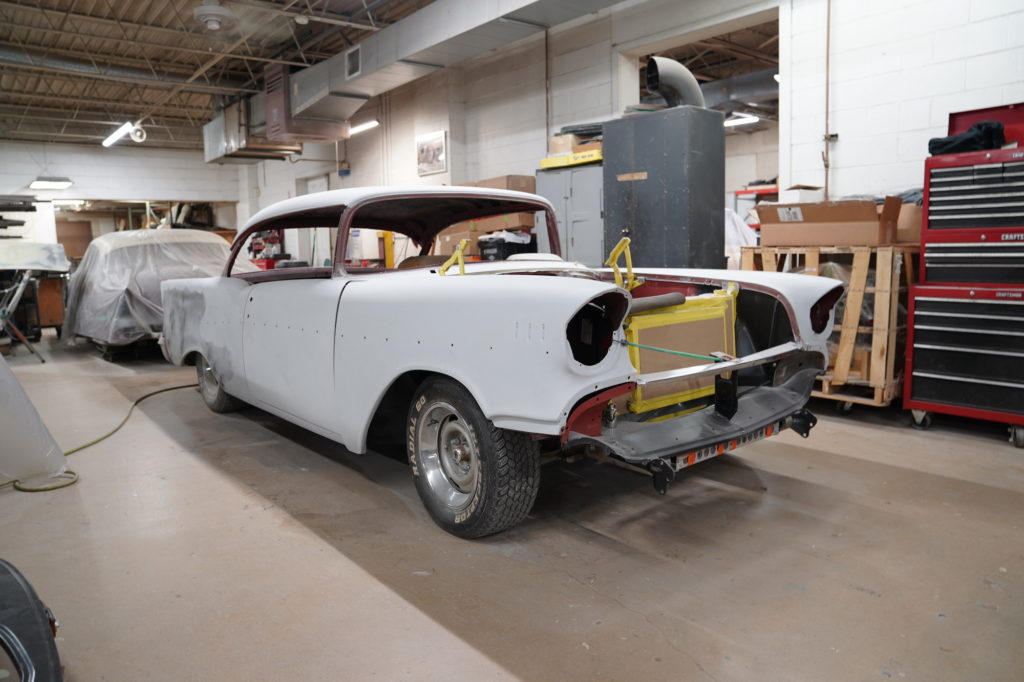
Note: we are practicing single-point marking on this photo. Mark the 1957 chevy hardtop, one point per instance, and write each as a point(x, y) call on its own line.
point(482, 366)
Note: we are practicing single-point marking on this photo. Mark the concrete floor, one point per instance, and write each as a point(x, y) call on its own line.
point(200, 546)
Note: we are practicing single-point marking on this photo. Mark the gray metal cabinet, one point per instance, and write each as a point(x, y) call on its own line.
point(577, 194)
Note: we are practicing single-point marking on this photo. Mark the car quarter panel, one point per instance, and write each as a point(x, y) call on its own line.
point(502, 336)
point(205, 315)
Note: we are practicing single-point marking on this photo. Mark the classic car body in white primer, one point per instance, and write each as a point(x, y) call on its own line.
point(479, 367)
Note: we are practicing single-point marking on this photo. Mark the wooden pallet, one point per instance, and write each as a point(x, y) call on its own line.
point(868, 378)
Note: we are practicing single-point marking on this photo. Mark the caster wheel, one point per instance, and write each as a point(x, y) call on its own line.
point(845, 407)
point(1017, 436)
point(922, 420)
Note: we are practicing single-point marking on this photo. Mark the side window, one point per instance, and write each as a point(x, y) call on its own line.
point(377, 249)
point(310, 249)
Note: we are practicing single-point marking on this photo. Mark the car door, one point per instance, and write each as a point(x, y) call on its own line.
point(288, 345)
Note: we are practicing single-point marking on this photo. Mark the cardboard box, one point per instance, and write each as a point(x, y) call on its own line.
point(567, 144)
point(801, 194)
point(560, 144)
point(511, 221)
point(829, 223)
point(588, 146)
point(519, 183)
point(447, 240)
point(908, 225)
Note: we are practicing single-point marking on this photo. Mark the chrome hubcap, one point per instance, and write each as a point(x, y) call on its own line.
point(447, 456)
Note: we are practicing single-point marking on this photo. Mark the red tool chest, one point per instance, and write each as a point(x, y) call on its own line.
point(965, 341)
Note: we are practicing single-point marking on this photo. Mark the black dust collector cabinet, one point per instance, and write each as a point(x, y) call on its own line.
point(664, 187)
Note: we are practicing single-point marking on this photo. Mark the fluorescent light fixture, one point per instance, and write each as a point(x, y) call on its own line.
point(741, 120)
point(118, 134)
point(362, 127)
point(50, 182)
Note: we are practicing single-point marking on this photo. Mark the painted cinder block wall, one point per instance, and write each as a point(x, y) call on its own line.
point(496, 108)
point(123, 172)
point(898, 68)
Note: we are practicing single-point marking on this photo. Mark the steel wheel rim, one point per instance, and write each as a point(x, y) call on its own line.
point(448, 457)
point(208, 383)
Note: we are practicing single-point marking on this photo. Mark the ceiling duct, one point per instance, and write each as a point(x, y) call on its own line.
point(283, 124)
point(441, 34)
point(231, 137)
point(733, 93)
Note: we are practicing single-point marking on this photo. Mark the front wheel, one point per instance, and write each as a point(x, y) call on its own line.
point(214, 395)
point(474, 478)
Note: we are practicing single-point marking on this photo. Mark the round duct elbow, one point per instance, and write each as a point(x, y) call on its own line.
point(674, 82)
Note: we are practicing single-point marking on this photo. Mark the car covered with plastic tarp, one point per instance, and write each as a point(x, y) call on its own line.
point(114, 295)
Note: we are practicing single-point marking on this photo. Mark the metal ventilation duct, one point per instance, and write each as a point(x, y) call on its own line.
point(441, 34)
point(229, 137)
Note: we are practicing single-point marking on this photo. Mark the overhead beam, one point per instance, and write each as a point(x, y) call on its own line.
point(175, 67)
point(326, 18)
point(742, 50)
point(198, 111)
point(142, 80)
point(203, 69)
point(36, 114)
point(136, 44)
point(76, 16)
point(160, 141)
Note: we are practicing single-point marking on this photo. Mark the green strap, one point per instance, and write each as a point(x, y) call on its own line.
point(712, 358)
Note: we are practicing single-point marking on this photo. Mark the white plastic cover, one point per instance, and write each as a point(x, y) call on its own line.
point(27, 448)
point(18, 254)
point(737, 234)
point(114, 295)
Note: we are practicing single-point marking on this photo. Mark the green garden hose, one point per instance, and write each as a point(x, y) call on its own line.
point(72, 476)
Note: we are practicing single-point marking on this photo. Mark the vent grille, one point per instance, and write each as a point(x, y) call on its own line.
point(353, 65)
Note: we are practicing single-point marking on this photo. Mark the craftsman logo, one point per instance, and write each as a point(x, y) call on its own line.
point(790, 214)
point(1015, 237)
point(1009, 294)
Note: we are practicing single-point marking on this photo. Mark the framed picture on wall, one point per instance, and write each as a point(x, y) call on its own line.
point(432, 153)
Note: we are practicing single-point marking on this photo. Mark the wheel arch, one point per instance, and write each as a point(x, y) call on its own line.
point(389, 414)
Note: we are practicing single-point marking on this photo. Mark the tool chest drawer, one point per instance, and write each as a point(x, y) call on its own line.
point(984, 195)
point(969, 351)
point(1000, 262)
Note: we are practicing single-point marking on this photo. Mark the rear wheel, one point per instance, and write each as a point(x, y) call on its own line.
point(214, 395)
point(474, 478)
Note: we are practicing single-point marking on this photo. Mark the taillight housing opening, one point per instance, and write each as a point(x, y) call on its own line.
point(821, 310)
point(590, 330)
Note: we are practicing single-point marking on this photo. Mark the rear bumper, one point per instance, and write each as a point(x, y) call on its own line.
point(762, 411)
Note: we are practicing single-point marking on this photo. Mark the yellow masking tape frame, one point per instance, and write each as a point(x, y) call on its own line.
point(457, 257)
point(613, 261)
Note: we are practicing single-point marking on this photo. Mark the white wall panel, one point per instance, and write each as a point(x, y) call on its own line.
point(898, 69)
point(116, 173)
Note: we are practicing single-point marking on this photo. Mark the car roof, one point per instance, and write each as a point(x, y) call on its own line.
point(119, 240)
point(340, 198)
